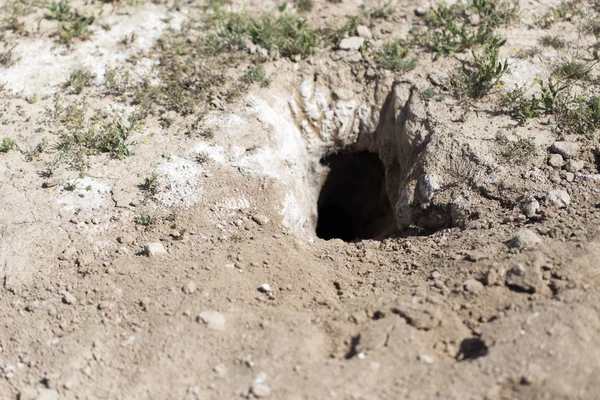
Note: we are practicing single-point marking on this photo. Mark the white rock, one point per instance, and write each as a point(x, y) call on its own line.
point(68, 298)
point(565, 149)
point(364, 32)
point(473, 286)
point(530, 208)
point(574, 166)
point(524, 239)
point(260, 219)
point(189, 287)
point(555, 161)
point(427, 359)
point(352, 43)
point(155, 249)
point(260, 390)
point(47, 394)
point(427, 187)
point(213, 319)
point(559, 198)
point(265, 288)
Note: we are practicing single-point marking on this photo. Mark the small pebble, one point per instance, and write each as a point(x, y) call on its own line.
point(189, 287)
point(155, 249)
point(265, 288)
point(260, 390)
point(68, 298)
point(260, 219)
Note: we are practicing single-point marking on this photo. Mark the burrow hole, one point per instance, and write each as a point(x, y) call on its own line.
point(353, 203)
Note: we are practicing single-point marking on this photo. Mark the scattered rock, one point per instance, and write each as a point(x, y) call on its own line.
point(351, 43)
point(265, 288)
point(523, 279)
point(427, 359)
point(420, 12)
point(421, 316)
point(68, 298)
point(559, 198)
point(213, 319)
point(364, 32)
point(47, 394)
point(574, 166)
point(427, 187)
point(495, 276)
point(530, 208)
point(569, 176)
point(565, 149)
point(438, 78)
point(555, 161)
point(221, 370)
point(189, 287)
point(260, 390)
point(260, 219)
point(155, 249)
point(524, 239)
point(473, 286)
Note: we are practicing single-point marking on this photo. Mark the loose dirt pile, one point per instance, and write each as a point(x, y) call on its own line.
point(299, 200)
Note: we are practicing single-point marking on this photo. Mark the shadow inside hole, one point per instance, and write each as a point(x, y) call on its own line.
point(353, 203)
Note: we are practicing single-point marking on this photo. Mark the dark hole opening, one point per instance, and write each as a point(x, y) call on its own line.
point(353, 203)
point(472, 348)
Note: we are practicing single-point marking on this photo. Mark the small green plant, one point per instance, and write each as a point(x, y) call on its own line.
point(128, 40)
point(477, 78)
point(290, 35)
point(552, 41)
point(116, 81)
point(427, 94)
point(70, 23)
point(517, 151)
point(79, 79)
point(578, 114)
point(522, 108)
point(305, 5)
point(144, 219)
point(6, 57)
point(573, 69)
point(150, 184)
point(385, 12)
point(256, 75)
point(35, 152)
point(70, 186)
point(394, 56)
point(6, 145)
point(528, 52)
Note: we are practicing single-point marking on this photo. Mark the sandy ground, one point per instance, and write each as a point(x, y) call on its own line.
point(480, 278)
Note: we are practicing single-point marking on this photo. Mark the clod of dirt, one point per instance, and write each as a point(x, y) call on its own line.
point(524, 279)
point(68, 298)
point(556, 161)
point(559, 198)
point(565, 149)
point(524, 239)
point(213, 320)
point(189, 287)
point(260, 390)
point(473, 286)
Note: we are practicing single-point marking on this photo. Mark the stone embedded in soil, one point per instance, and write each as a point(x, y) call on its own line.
point(530, 208)
point(421, 316)
point(47, 394)
point(364, 32)
point(351, 43)
point(524, 239)
point(213, 320)
point(473, 286)
point(155, 249)
point(574, 166)
point(524, 279)
point(427, 187)
point(189, 287)
point(68, 298)
point(265, 288)
point(260, 219)
point(559, 198)
point(260, 390)
point(555, 161)
point(565, 149)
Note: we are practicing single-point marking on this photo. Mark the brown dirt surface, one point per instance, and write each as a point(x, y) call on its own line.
point(188, 211)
